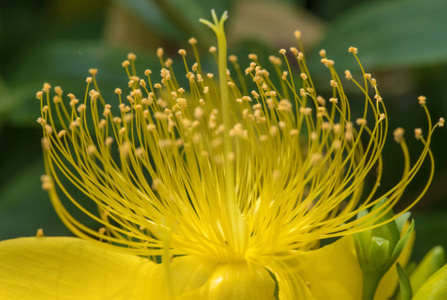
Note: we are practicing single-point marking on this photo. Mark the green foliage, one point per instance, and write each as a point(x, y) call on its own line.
point(390, 34)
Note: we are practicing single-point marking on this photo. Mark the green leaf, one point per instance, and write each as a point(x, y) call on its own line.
point(66, 64)
point(390, 34)
point(404, 283)
point(401, 243)
point(401, 220)
point(25, 207)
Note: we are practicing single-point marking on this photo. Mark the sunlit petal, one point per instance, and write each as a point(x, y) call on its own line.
point(71, 268)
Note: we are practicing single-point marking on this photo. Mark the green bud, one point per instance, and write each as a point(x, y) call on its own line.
point(378, 249)
point(378, 254)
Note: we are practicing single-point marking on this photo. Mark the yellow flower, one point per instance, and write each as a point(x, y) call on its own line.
point(231, 189)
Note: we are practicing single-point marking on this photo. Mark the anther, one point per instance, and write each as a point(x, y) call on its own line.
point(81, 108)
point(285, 105)
point(108, 141)
point(418, 133)
point(336, 144)
point(326, 126)
point(353, 50)
point(321, 100)
point(61, 133)
point(361, 121)
point(39, 95)
point(333, 100)
point(315, 158)
point(168, 63)
point(125, 148)
point(73, 102)
point(45, 143)
point(93, 95)
point(322, 53)
point(58, 90)
point(181, 103)
point(252, 56)
point(192, 41)
point(47, 183)
point(46, 87)
point(48, 129)
point(139, 152)
point(39, 232)
point(422, 100)
point(398, 134)
point(91, 149)
point(348, 74)
point(263, 138)
point(293, 132)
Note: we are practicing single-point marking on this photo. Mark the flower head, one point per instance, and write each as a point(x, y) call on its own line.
point(217, 171)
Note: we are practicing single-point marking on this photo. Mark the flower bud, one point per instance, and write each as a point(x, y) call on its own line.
point(378, 248)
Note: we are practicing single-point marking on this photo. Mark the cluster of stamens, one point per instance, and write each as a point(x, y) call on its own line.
point(155, 162)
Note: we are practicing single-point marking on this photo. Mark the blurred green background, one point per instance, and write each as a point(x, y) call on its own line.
point(403, 43)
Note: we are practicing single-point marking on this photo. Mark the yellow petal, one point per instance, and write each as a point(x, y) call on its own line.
point(290, 284)
point(332, 272)
point(70, 268)
point(435, 287)
point(190, 273)
point(227, 281)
